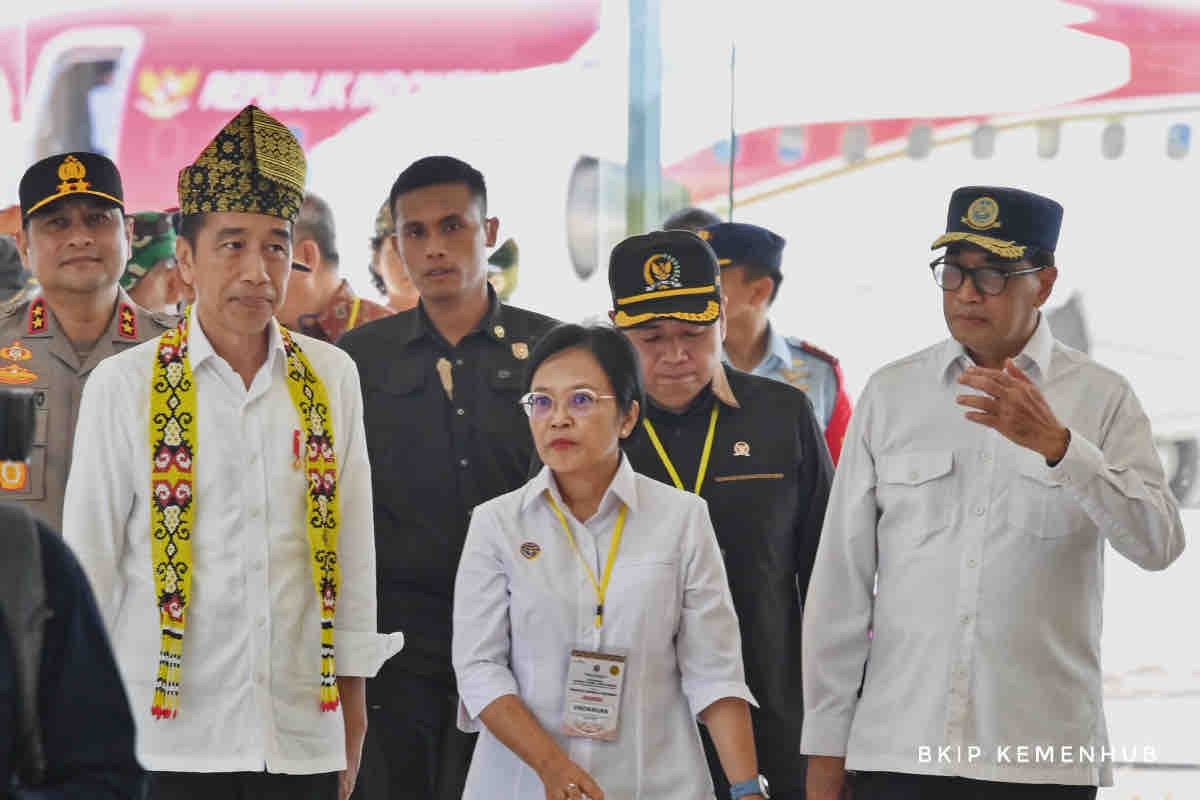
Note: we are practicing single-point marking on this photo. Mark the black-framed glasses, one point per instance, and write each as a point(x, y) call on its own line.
point(580, 402)
point(988, 280)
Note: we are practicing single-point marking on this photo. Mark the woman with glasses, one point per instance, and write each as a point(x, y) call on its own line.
point(592, 619)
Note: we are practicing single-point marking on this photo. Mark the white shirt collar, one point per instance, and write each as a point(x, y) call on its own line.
point(200, 348)
point(1034, 357)
point(623, 488)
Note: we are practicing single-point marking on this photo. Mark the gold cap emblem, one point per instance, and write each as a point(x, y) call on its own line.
point(983, 214)
point(72, 173)
point(662, 271)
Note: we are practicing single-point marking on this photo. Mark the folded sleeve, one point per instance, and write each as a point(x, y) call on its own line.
point(482, 642)
point(1121, 485)
point(708, 643)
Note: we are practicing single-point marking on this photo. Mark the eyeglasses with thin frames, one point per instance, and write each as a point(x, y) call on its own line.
point(988, 280)
point(579, 403)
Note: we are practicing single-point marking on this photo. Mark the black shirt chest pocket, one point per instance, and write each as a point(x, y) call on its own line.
point(398, 411)
point(500, 412)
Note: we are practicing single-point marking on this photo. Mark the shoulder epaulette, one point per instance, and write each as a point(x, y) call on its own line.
point(812, 349)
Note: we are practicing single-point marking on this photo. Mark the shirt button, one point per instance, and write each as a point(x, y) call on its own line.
point(979, 511)
point(458, 362)
point(464, 463)
point(971, 563)
point(912, 476)
point(460, 411)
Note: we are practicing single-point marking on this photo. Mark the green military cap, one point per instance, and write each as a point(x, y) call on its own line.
point(153, 241)
point(255, 164)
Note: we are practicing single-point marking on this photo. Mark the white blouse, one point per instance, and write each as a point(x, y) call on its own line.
point(522, 601)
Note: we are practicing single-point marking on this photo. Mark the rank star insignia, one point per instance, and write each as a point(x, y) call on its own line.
point(16, 352)
point(37, 316)
point(128, 323)
point(741, 448)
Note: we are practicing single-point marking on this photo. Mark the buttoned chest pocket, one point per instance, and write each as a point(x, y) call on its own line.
point(503, 415)
point(394, 412)
point(914, 493)
point(1038, 504)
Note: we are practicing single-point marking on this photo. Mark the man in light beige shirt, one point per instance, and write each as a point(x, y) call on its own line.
point(962, 557)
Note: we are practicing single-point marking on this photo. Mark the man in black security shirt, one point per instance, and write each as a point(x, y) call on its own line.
point(441, 384)
point(752, 448)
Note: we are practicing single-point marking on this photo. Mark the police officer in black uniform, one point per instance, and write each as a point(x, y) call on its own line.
point(441, 384)
point(752, 448)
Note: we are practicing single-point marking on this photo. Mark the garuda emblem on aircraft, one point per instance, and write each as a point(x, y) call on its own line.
point(167, 92)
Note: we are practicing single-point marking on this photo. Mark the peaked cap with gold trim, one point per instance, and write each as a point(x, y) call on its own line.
point(77, 174)
point(255, 165)
point(664, 275)
point(1006, 222)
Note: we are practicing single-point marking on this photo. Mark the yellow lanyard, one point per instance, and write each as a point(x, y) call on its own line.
point(666, 459)
point(354, 313)
point(601, 586)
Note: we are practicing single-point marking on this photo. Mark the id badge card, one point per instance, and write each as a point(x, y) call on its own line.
point(592, 708)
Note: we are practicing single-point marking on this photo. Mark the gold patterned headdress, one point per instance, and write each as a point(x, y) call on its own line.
point(255, 164)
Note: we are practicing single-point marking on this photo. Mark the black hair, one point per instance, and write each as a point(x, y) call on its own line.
point(690, 219)
point(436, 170)
point(316, 222)
point(190, 226)
point(616, 355)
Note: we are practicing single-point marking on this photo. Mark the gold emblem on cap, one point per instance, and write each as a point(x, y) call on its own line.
point(983, 214)
point(520, 350)
point(72, 173)
point(498, 331)
point(662, 271)
point(703, 234)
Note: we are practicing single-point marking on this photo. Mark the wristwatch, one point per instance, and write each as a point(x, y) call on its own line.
point(756, 785)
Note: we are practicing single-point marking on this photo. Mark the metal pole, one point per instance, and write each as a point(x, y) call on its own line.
point(643, 172)
point(732, 127)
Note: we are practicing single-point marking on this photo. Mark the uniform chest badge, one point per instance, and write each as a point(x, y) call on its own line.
point(520, 351)
point(127, 325)
point(14, 476)
point(531, 550)
point(16, 375)
point(741, 448)
point(37, 316)
point(16, 352)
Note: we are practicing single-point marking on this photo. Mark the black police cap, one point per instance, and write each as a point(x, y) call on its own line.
point(77, 174)
point(743, 243)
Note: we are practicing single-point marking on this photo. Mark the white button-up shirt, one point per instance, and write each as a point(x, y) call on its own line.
point(250, 695)
point(522, 601)
point(987, 615)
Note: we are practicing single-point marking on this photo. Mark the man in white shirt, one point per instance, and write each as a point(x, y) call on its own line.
point(220, 503)
point(962, 558)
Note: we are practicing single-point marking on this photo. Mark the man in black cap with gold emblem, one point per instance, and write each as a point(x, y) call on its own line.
point(75, 239)
point(220, 505)
point(751, 447)
point(962, 561)
point(441, 384)
point(751, 259)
